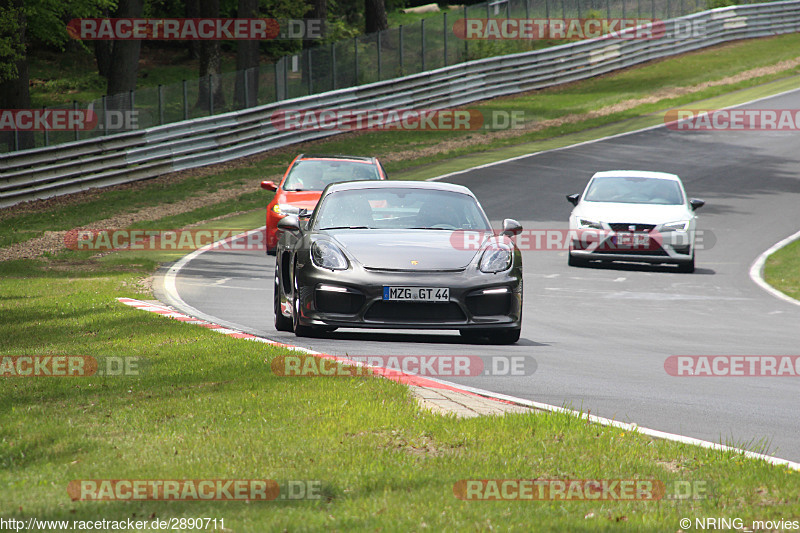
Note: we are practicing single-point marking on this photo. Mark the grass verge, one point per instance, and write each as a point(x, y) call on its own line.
point(206, 406)
point(782, 270)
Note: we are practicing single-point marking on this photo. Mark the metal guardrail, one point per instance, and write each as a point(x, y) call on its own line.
point(80, 165)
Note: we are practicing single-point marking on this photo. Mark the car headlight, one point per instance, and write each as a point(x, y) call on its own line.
point(496, 258)
point(588, 224)
point(286, 209)
point(681, 225)
point(325, 254)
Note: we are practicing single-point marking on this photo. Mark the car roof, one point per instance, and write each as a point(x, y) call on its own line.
point(386, 184)
point(338, 156)
point(636, 174)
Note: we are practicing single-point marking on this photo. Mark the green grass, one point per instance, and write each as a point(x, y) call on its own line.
point(782, 270)
point(208, 406)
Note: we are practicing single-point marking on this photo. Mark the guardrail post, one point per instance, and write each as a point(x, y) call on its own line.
point(160, 104)
point(444, 35)
point(77, 131)
point(185, 101)
point(16, 140)
point(380, 51)
point(355, 60)
point(246, 88)
point(422, 37)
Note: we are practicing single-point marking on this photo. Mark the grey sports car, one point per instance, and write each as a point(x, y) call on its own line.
point(393, 254)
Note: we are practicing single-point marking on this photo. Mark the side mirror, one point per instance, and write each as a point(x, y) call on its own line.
point(269, 186)
point(511, 227)
point(573, 198)
point(304, 213)
point(289, 223)
point(696, 204)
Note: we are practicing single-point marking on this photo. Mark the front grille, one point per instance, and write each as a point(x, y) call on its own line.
point(411, 312)
point(489, 304)
point(346, 303)
point(654, 249)
point(626, 226)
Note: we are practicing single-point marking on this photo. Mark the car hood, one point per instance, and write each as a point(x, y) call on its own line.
point(611, 212)
point(301, 199)
point(398, 249)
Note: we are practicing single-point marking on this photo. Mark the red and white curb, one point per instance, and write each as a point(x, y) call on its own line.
point(394, 375)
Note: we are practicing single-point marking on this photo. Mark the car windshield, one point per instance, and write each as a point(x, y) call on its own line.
point(634, 190)
point(400, 208)
point(314, 175)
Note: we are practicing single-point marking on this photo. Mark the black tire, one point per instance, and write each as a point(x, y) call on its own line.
point(299, 330)
point(686, 268)
point(504, 336)
point(281, 322)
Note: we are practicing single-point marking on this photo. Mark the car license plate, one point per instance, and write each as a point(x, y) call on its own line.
point(417, 294)
point(631, 239)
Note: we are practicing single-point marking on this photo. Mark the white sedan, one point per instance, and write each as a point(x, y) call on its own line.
point(638, 216)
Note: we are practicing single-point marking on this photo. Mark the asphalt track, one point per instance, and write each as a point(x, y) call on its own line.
point(600, 336)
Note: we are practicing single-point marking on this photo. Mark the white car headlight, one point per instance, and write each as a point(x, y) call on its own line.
point(496, 258)
point(681, 225)
point(286, 209)
point(325, 254)
point(588, 224)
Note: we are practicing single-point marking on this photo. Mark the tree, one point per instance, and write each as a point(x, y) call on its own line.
point(246, 91)
point(210, 85)
point(375, 16)
point(124, 59)
point(14, 92)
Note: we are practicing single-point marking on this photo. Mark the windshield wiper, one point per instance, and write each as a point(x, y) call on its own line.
point(439, 229)
point(346, 227)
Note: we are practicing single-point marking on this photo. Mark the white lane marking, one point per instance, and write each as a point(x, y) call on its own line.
point(618, 280)
point(757, 269)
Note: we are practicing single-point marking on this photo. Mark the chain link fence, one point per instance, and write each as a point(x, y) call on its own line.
point(424, 45)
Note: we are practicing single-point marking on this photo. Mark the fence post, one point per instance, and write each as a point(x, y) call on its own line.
point(652, 9)
point(105, 116)
point(355, 60)
point(210, 96)
point(16, 140)
point(380, 53)
point(75, 108)
point(160, 104)
point(46, 132)
point(333, 65)
point(466, 41)
point(444, 34)
point(185, 101)
point(246, 88)
point(579, 9)
point(608, 9)
point(563, 10)
point(132, 96)
point(401, 49)
point(422, 32)
point(310, 73)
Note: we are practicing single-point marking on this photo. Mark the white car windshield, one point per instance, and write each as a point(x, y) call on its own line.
point(314, 175)
point(634, 190)
point(400, 208)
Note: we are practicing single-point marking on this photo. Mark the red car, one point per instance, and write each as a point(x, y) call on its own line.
point(304, 180)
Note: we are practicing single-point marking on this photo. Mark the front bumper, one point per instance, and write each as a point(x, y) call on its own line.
point(667, 247)
point(354, 298)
